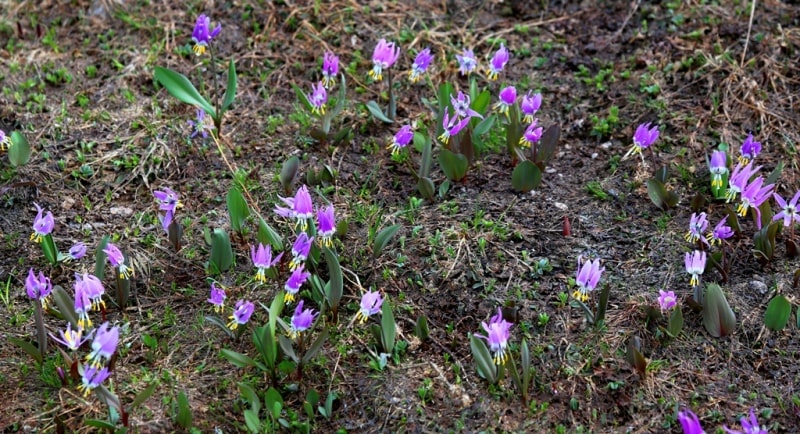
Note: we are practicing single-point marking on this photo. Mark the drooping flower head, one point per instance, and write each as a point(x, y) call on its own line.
point(300, 250)
point(201, 125)
point(507, 98)
point(241, 314)
point(451, 127)
point(330, 69)
point(749, 425)
point(461, 106)
point(497, 63)
point(295, 281)
point(326, 225)
point(202, 34)
point(690, 422)
point(401, 139)
point(318, 98)
point(5, 141)
point(371, 303)
point(117, 259)
point(92, 287)
point(217, 297)
point(38, 288)
point(721, 232)
point(531, 135)
point(104, 344)
point(167, 201)
point(695, 263)
point(262, 260)
point(299, 207)
point(718, 166)
point(666, 300)
point(739, 179)
point(466, 62)
point(72, 339)
point(644, 136)
point(92, 378)
point(697, 225)
point(587, 277)
point(302, 319)
point(753, 195)
point(83, 305)
point(749, 150)
point(497, 331)
point(42, 225)
point(77, 251)
point(529, 106)
point(789, 212)
point(421, 63)
point(383, 57)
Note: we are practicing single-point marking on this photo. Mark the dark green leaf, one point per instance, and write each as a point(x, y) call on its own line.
point(221, 252)
point(274, 402)
point(20, 150)
point(484, 125)
point(388, 326)
point(252, 421)
point(49, 249)
point(718, 318)
point(288, 349)
point(635, 357)
point(267, 235)
point(174, 234)
point(336, 289)
point(526, 176)
point(483, 359)
point(421, 328)
point(778, 312)
point(776, 173)
point(426, 188)
point(28, 348)
point(481, 102)
point(453, 165)
point(302, 97)
point(219, 323)
point(230, 90)
point(100, 258)
point(312, 351)
point(340, 100)
point(288, 173)
point(102, 424)
point(426, 160)
point(602, 304)
point(181, 88)
point(657, 193)
point(249, 394)
point(144, 394)
point(377, 112)
point(662, 174)
point(66, 305)
point(382, 239)
point(238, 359)
point(238, 210)
point(675, 322)
point(546, 148)
point(184, 413)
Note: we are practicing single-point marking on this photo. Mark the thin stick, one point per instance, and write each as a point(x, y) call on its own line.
point(749, 28)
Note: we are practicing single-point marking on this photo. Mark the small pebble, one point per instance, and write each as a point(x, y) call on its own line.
point(757, 285)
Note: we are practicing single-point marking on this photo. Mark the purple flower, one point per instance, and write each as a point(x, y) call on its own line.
point(788, 210)
point(587, 276)
point(5, 141)
point(421, 63)
point(529, 106)
point(167, 201)
point(497, 332)
point(531, 135)
point(202, 125)
point(461, 106)
point(401, 139)
point(718, 166)
point(42, 224)
point(82, 304)
point(300, 250)
point(739, 178)
point(92, 287)
point(262, 259)
point(217, 297)
point(466, 62)
point(721, 232)
point(299, 207)
point(371, 303)
point(77, 251)
point(667, 300)
point(690, 423)
point(695, 263)
point(697, 225)
point(750, 149)
point(202, 34)
point(384, 56)
point(644, 136)
point(317, 98)
point(753, 196)
point(296, 280)
point(498, 62)
point(104, 344)
point(38, 288)
point(450, 131)
point(72, 339)
point(241, 314)
point(326, 225)
point(117, 259)
point(92, 378)
point(330, 69)
point(749, 425)
point(302, 319)
point(507, 98)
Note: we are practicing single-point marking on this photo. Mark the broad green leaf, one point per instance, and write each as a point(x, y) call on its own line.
point(602, 304)
point(302, 97)
point(174, 234)
point(183, 415)
point(238, 359)
point(274, 402)
point(662, 174)
point(336, 289)
point(102, 424)
point(288, 350)
point(546, 148)
point(443, 96)
point(425, 146)
point(635, 357)
point(426, 188)
point(718, 318)
point(312, 351)
point(288, 173)
point(49, 249)
point(483, 359)
point(252, 420)
point(181, 88)
point(221, 252)
point(66, 305)
point(388, 326)
point(20, 150)
point(675, 322)
point(657, 193)
point(526, 176)
point(230, 90)
point(481, 102)
point(237, 209)
point(144, 394)
point(778, 312)
point(265, 343)
point(776, 173)
point(525, 358)
point(453, 165)
point(484, 125)
point(340, 100)
point(421, 328)
point(100, 258)
point(382, 238)
point(275, 309)
point(267, 235)
point(217, 321)
point(28, 348)
point(377, 112)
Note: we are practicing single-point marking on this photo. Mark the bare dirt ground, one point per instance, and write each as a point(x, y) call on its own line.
point(77, 79)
